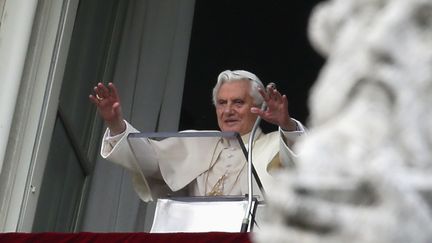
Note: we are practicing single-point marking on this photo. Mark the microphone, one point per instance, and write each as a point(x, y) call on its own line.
point(248, 212)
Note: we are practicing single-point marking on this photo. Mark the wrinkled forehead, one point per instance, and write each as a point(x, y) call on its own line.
point(236, 86)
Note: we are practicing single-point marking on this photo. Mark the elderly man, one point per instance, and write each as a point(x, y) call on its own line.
point(187, 165)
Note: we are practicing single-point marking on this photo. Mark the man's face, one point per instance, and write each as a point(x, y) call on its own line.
point(233, 103)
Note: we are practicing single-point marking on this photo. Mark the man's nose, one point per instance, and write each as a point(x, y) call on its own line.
point(228, 109)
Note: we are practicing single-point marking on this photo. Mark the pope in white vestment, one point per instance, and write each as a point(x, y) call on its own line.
point(204, 166)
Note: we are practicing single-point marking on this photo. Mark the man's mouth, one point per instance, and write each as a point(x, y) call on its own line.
point(231, 121)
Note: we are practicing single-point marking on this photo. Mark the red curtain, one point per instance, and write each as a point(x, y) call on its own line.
point(211, 237)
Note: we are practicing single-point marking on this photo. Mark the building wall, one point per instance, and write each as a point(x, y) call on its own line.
point(150, 61)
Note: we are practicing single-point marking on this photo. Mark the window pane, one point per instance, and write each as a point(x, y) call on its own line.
point(62, 186)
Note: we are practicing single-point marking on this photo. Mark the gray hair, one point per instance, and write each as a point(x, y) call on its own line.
point(236, 75)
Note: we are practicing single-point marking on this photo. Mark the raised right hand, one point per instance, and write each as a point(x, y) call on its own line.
point(107, 102)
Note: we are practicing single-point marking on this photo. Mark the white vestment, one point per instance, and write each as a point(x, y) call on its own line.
point(196, 162)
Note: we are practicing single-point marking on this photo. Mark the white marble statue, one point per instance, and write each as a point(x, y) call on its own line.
point(364, 173)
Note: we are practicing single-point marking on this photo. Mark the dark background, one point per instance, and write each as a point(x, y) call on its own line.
point(268, 38)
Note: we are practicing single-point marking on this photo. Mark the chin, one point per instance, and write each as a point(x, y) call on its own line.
point(231, 129)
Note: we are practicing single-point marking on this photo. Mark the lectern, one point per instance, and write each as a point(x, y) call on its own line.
point(199, 214)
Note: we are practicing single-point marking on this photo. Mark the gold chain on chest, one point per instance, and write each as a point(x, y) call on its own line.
point(218, 187)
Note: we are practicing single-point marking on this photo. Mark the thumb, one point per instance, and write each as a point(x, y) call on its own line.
point(256, 110)
point(117, 109)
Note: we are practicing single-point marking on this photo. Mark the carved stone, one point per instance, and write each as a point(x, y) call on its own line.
point(364, 172)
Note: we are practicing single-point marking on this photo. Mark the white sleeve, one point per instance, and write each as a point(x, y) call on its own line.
point(116, 148)
point(287, 140)
point(143, 163)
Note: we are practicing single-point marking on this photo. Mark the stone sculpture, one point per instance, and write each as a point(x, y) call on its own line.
point(364, 172)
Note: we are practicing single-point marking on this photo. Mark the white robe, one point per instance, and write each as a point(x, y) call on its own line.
point(178, 162)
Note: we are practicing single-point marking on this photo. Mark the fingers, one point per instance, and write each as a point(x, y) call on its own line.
point(258, 111)
point(285, 102)
point(100, 92)
point(272, 98)
point(113, 90)
point(103, 91)
point(272, 94)
point(263, 94)
point(271, 88)
point(93, 99)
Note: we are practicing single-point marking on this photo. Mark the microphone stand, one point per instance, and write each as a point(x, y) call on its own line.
point(248, 212)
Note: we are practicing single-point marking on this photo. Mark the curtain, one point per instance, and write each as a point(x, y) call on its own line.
point(149, 72)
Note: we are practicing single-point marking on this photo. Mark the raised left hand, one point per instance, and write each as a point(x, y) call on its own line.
point(277, 109)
